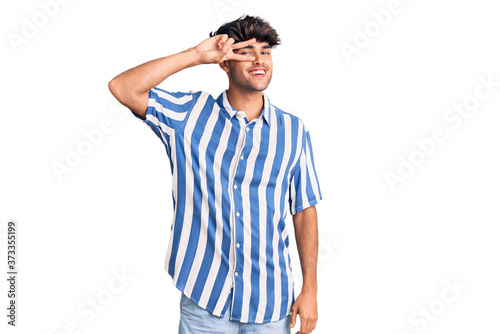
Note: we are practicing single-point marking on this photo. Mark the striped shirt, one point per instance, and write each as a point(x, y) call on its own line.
point(231, 179)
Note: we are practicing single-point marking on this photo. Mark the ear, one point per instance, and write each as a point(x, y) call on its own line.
point(225, 66)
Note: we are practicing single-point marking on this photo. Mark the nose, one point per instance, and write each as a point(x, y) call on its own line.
point(258, 58)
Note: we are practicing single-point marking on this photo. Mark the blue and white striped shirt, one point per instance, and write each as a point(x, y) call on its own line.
point(231, 180)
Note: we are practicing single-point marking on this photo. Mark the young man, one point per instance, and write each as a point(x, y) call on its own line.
point(235, 161)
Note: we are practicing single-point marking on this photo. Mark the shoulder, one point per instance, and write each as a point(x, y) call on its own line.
point(283, 118)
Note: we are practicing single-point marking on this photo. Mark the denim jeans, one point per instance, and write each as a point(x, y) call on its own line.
point(196, 320)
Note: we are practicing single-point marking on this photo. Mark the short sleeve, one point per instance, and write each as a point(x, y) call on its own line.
point(167, 111)
point(304, 186)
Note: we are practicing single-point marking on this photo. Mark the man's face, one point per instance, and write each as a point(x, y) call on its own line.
point(252, 75)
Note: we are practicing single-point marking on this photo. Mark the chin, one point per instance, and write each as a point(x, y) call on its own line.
point(247, 83)
point(257, 88)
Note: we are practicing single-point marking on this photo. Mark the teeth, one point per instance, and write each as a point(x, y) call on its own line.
point(258, 72)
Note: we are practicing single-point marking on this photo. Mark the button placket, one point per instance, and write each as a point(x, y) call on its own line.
point(235, 188)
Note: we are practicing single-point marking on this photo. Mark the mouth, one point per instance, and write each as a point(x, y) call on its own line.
point(259, 73)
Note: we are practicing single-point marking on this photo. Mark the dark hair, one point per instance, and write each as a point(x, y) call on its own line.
point(247, 27)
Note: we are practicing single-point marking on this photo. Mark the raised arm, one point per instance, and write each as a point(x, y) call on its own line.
point(132, 86)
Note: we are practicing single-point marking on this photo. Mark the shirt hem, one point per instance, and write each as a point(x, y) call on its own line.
point(311, 203)
point(222, 315)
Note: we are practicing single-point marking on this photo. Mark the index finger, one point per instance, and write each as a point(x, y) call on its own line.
point(238, 57)
point(241, 45)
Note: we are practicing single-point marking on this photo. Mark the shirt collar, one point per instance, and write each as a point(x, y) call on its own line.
point(224, 103)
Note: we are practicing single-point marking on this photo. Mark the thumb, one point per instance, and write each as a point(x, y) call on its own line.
point(293, 317)
point(221, 39)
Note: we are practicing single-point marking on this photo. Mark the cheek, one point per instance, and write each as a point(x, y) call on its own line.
point(232, 70)
point(237, 72)
point(237, 66)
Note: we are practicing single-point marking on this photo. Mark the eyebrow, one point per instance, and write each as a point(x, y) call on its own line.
point(251, 47)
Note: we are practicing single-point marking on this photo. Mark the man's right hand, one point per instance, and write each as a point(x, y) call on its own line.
point(216, 49)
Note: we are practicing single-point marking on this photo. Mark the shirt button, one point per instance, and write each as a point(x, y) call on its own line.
point(238, 245)
point(242, 157)
point(248, 129)
point(235, 186)
point(237, 214)
point(236, 273)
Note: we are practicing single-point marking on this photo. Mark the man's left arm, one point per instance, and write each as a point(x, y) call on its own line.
point(306, 234)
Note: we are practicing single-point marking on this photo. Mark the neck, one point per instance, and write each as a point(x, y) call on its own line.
point(251, 102)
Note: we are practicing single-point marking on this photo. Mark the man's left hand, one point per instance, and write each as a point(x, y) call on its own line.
point(307, 307)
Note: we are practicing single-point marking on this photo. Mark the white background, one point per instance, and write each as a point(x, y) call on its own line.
point(385, 254)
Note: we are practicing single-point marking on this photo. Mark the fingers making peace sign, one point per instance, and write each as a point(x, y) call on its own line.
point(219, 48)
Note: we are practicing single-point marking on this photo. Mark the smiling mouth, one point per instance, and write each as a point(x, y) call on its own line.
point(258, 73)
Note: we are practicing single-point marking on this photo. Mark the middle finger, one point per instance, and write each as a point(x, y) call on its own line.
point(241, 45)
